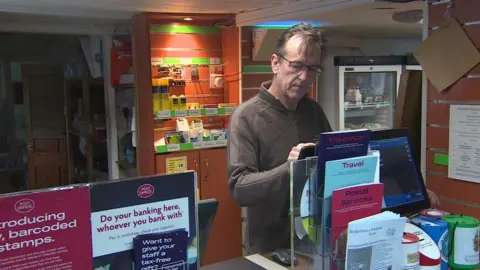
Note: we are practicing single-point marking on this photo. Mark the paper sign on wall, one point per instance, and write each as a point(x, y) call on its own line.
point(176, 164)
point(464, 143)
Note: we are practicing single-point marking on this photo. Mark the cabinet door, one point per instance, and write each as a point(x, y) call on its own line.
point(192, 161)
point(225, 240)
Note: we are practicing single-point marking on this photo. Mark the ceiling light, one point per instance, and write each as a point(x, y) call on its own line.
point(188, 19)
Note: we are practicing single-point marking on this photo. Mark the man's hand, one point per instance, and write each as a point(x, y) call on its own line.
point(434, 200)
point(295, 152)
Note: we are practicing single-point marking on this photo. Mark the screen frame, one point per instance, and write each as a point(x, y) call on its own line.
point(413, 207)
point(205, 223)
point(306, 152)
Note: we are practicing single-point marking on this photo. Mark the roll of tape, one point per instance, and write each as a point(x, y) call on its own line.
point(433, 213)
point(437, 229)
point(410, 252)
point(463, 233)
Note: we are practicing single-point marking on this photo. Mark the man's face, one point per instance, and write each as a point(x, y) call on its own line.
point(296, 70)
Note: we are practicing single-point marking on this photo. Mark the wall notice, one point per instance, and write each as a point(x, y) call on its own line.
point(176, 164)
point(464, 143)
point(46, 230)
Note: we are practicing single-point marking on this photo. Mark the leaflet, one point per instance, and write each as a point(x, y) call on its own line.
point(373, 242)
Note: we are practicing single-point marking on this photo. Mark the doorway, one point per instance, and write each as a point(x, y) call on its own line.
point(45, 126)
point(37, 147)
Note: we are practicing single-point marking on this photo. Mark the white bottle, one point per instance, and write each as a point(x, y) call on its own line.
point(358, 96)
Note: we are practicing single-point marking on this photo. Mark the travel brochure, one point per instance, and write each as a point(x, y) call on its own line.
point(152, 226)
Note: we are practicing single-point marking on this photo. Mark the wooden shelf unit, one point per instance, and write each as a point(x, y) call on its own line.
point(154, 36)
point(82, 126)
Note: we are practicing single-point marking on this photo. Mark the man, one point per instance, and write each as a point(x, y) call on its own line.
point(267, 132)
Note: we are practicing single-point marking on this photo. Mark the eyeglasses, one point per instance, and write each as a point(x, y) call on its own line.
point(299, 66)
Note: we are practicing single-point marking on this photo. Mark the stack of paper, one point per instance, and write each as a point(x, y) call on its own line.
point(374, 242)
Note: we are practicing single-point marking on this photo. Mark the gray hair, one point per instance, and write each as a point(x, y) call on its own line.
point(312, 38)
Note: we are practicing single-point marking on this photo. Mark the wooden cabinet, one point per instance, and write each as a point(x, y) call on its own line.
point(225, 240)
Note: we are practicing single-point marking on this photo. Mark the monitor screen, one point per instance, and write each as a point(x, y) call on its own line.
point(402, 182)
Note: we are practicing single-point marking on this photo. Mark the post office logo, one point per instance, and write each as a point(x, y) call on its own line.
point(24, 206)
point(145, 191)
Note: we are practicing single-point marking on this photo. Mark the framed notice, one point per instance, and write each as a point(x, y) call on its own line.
point(47, 229)
point(125, 210)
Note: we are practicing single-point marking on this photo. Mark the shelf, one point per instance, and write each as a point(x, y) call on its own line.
point(195, 112)
point(126, 165)
point(189, 146)
point(377, 105)
point(186, 61)
point(86, 136)
point(364, 109)
point(81, 129)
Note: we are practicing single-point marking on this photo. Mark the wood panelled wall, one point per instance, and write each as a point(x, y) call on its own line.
point(256, 72)
point(456, 196)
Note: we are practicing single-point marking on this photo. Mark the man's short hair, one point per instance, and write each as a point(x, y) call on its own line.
point(312, 38)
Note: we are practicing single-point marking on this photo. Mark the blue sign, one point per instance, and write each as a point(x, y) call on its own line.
point(167, 250)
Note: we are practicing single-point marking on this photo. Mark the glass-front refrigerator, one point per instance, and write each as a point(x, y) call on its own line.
point(368, 88)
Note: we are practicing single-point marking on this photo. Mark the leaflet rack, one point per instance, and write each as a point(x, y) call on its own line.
point(310, 233)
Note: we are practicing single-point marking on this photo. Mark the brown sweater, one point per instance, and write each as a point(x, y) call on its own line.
point(261, 134)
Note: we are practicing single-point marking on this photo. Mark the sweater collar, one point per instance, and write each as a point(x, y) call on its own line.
point(273, 101)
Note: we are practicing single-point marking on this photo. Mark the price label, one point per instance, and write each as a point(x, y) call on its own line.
point(164, 114)
point(195, 112)
point(173, 147)
point(197, 145)
point(378, 106)
point(211, 111)
point(229, 110)
point(220, 142)
point(215, 61)
point(185, 61)
point(180, 113)
point(209, 143)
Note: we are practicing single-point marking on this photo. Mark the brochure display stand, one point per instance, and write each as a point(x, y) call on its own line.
point(309, 218)
point(327, 192)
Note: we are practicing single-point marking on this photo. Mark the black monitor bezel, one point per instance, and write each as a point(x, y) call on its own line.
point(413, 207)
